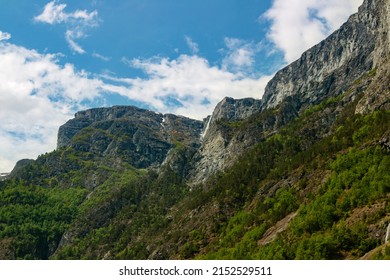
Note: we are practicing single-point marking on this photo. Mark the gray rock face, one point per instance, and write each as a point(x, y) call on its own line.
point(377, 95)
point(235, 109)
point(330, 68)
point(326, 70)
point(140, 137)
point(229, 110)
point(216, 148)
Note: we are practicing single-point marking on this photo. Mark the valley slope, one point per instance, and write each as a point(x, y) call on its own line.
point(300, 174)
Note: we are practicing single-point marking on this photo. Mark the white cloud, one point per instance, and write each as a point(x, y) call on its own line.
point(240, 55)
point(76, 22)
point(70, 37)
point(190, 81)
point(193, 46)
point(54, 13)
point(36, 96)
point(4, 36)
point(101, 57)
point(297, 25)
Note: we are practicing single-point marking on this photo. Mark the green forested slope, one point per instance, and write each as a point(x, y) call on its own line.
point(307, 191)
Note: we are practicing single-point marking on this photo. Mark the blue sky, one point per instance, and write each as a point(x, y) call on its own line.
point(179, 56)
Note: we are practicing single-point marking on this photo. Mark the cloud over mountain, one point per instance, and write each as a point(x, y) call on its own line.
point(39, 91)
point(37, 94)
point(297, 25)
point(41, 94)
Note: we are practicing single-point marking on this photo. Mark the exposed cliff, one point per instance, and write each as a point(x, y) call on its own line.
point(139, 137)
point(331, 67)
point(351, 61)
point(214, 151)
point(307, 165)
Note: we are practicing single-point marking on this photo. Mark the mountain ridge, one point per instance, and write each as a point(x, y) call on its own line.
point(326, 70)
point(304, 168)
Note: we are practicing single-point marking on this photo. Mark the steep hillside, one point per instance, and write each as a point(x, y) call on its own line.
point(327, 70)
point(300, 174)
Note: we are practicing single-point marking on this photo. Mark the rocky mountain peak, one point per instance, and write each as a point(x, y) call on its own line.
point(326, 70)
point(330, 67)
point(86, 118)
point(230, 110)
point(140, 137)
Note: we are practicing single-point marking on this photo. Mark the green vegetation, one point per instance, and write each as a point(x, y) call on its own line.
point(34, 218)
point(325, 226)
point(305, 192)
point(322, 105)
point(125, 205)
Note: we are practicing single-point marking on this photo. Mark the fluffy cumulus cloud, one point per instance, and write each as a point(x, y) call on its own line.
point(77, 22)
point(36, 96)
point(54, 12)
point(297, 25)
point(188, 85)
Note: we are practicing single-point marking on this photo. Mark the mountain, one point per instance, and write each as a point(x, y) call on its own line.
point(326, 70)
point(300, 174)
point(128, 134)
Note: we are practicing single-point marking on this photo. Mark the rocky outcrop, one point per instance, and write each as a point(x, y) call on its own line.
point(332, 66)
point(20, 165)
point(235, 109)
point(139, 137)
point(217, 148)
point(377, 93)
point(86, 118)
point(360, 48)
